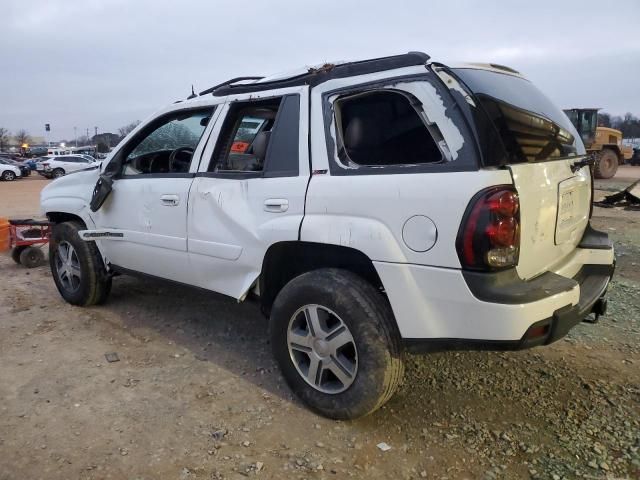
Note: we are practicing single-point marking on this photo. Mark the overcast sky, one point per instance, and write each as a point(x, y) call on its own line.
point(105, 63)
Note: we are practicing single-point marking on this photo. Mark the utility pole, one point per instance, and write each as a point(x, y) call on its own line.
point(96, 129)
point(75, 135)
point(87, 132)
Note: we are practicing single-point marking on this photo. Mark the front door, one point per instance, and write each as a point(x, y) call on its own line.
point(145, 216)
point(249, 193)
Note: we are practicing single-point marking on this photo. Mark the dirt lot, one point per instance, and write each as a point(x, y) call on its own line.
point(196, 394)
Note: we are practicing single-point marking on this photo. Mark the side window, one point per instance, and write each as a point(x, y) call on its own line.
point(167, 146)
point(382, 128)
point(260, 136)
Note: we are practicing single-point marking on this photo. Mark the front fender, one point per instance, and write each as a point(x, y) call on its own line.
point(71, 195)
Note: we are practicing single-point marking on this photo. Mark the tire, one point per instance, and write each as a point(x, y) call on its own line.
point(15, 253)
point(376, 369)
point(83, 280)
point(607, 164)
point(57, 173)
point(8, 176)
point(32, 257)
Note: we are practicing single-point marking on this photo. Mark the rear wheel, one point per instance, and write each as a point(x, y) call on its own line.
point(77, 267)
point(32, 257)
point(336, 341)
point(8, 175)
point(57, 173)
point(607, 164)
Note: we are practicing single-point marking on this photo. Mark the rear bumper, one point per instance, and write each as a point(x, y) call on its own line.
point(440, 309)
point(593, 281)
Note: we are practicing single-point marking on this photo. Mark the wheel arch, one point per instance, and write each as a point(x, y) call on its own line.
point(60, 217)
point(284, 261)
point(615, 149)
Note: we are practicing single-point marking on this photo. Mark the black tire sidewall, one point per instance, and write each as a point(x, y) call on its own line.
point(361, 311)
point(68, 232)
point(32, 257)
point(608, 173)
point(8, 176)
point(15, 253)
point(57, 173)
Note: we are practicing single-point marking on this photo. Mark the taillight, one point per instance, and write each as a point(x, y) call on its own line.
point(489, 237)
point(45, 164)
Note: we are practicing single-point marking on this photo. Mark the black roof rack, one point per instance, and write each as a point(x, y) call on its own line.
point(233, 80)
point(316, 76)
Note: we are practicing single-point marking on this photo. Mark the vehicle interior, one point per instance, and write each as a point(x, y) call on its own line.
point(381, 128)
point(169, 147)
point(244, 139)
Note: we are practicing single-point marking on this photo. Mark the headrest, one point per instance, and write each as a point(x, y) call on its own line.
point(260, 144)
point(363, 133)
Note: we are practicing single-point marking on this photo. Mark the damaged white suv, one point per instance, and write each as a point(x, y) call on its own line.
point(372, 207)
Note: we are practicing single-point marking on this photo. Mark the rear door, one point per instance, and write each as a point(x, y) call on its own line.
point(250, 189)
point(542, 150)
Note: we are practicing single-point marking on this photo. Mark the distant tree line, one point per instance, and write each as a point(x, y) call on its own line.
point(628, 124)
point(103, 141)
point(20, 137)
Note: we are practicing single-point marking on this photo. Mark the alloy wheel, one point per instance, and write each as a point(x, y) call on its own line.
point(68, 267)
point(322, 349)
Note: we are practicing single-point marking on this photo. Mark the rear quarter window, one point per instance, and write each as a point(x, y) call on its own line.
point(530, 127)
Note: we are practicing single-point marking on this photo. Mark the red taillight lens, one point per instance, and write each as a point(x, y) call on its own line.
point(489, 237)
point(505, 203)
point(503, 232)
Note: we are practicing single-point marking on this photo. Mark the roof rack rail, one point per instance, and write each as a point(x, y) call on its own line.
point(228, 82)
point(316, 76)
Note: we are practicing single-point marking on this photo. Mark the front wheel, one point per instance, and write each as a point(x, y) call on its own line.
point(77, 267)
point(607, 164)
point(335, 338)
point(8, 175)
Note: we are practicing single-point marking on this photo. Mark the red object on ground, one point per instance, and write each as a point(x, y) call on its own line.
point(24, 233)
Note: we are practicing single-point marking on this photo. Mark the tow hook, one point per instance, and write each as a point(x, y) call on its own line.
point(599, 309)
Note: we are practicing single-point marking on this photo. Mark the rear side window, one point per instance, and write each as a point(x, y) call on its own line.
point(259, 137)
point(382, 128)
point(530, 126)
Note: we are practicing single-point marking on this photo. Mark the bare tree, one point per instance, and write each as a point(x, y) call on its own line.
point(22, 137)
point(4, 137)
point(124, 131)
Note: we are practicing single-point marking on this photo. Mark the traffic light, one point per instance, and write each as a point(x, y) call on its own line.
point(47, 127)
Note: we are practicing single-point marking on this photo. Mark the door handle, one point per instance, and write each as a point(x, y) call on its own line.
point(276, 205)
point(170, 200)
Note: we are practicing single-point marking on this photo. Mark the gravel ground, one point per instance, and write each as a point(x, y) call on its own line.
point(196, 395)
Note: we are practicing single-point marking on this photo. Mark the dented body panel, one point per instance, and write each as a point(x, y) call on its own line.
point(213, 229)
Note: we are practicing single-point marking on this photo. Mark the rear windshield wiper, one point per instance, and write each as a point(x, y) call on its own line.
point(588, 160)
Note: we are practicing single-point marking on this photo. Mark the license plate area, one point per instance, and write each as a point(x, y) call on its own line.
point(573, 210)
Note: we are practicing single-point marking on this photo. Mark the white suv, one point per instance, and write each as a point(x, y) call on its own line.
point(372, 207)
point(8, 171)
point(58, 166)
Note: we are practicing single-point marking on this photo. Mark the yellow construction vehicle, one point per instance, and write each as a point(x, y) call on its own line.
point(603, 142)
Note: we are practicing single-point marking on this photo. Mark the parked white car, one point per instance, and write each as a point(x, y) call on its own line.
point(58, 166)
point(372, 207)
point(9, 172)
